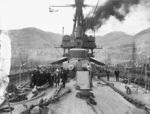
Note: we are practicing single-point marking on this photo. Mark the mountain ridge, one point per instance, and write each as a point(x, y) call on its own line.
point(39, 44)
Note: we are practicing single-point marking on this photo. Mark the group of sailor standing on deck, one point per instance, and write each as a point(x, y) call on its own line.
point(116, 72)
point(145, 73)
point(53, 76)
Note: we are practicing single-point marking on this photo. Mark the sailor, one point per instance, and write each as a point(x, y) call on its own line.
point(40, 77)
point(117, 74)
point(37, 76)
point(79, 65)
point(49, 76)
point(107, 74)
point(52, 77)
point(91, 74)
point(66, 74)
point(64, 77)
point(30, 73)
point(33, 78)
point(128, 76)
point(45, 77)
point(57, 77)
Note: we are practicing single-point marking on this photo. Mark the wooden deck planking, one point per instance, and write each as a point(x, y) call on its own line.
point(108, 102)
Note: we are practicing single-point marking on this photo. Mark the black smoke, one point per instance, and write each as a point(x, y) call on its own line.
point(110, 8)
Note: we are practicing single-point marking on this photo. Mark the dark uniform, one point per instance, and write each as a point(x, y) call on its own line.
point(34, 78)
point(117, 74)
point(49, 78)
point(64, 77)
point(31, 78)
point(40, 78)
point(107, 74)
point(57, 78)
point(52, 79)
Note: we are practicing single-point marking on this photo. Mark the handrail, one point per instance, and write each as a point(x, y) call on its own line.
point(14, 78)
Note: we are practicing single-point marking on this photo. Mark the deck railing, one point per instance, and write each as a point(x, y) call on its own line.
point(19, 78)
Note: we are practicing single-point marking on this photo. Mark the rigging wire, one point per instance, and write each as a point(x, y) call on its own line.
point(53, 45)
point(58, 51)
point(96, 52)
point(93, 13)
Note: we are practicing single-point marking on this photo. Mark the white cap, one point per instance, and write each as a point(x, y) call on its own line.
point(57, 70)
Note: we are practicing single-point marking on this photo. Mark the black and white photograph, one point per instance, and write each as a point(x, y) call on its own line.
point(74, 56)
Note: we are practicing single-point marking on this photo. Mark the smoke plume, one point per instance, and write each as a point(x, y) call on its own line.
point(117, 8)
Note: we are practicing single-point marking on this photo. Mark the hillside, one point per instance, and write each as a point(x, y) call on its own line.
point(143, 45)
point(32, 44)
point(118, 47)
point(146, 31)
point(114, 39)
point(35, 46)
point(143, 40)
point(33, 38)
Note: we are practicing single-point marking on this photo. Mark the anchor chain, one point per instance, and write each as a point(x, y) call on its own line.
point(6, 109)
point(136, 102)
point(46, 102)
point(88, 97)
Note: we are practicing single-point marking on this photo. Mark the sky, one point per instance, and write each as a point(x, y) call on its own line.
point(17, 14)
